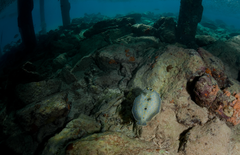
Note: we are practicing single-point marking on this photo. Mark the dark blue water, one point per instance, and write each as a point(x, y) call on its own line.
point(225, 10)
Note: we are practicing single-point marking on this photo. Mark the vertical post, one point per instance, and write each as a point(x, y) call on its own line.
point(189, 16)
point(65, 8)
point(25, 24)
point(1, 45)
point(42, 17)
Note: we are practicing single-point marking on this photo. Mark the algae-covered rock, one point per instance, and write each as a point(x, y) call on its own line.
point(48, 111)
point(143, 30)
point(204, 40)
point(35, 91)
point(108, 24)
point(111, 143)
point(60, 61)
point(166, 30)
point(75, 129)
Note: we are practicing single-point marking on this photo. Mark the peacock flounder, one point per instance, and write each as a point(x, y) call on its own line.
point(146, 106)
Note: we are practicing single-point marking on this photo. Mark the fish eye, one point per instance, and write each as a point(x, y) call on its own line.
point(148, 99)
point(145, 108)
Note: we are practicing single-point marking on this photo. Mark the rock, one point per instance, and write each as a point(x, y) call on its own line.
point(233, 34)
point(159, 22)
point(8, 125)
point(77, 21)
point(221, 30)
point(27, 73)
point(235, 148)
point(204, 40)
point(209, 25)
point(191, 114)
point(83, 64)
point(112, 97)
point(60, 61)
point(143, 30)
point(44, 117)
point(206, 90)
point(140, 43)
point(108, 24)
point(158, 74)
point(96, 42)
point(235, 140)
point(164, 130)
point(67, 76)
point(82, 104)
point(59, 46)
point(3, 114)
point(29, 66)
point(166, 29)
point(135, 16)
point(228, 52)
point(234, 87)
point(36, 91)
point(111, 143)
point(76, 129)
point(22, 144)
point(113, 56)
point(108, 79)
point(215, 68)
point(212, 138)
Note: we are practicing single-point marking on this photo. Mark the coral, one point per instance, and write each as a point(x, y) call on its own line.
point(208, 71)
point(227, 93)
point(69, 107)
point(131, 59)
point(126, 53)
point(112, 61)
point(235, 119)
point(147, 31)
point(153, 65)
point(169, 67)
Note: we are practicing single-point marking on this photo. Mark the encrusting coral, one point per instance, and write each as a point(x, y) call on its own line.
point(225, 104)
point(235, 119)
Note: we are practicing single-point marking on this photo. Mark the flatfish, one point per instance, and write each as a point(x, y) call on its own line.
point(146, 106)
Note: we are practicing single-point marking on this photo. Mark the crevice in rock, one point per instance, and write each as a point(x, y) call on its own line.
point(191, 85)
point(43, 143)
point(238, 78)
point(183, 139)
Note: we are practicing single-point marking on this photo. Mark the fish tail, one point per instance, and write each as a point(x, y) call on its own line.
point(142, 123)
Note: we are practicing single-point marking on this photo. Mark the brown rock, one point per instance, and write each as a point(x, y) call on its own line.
point(164, 130)
point(111, 143)
point(212, 138)
point(192, 114)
